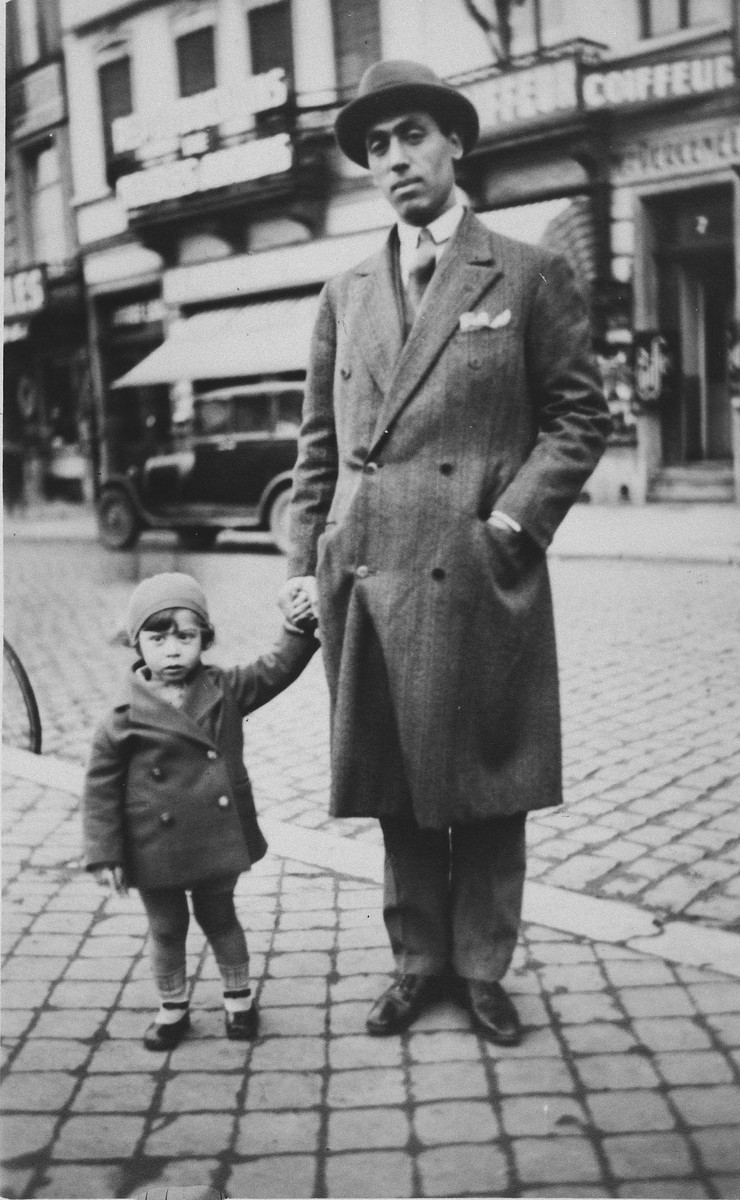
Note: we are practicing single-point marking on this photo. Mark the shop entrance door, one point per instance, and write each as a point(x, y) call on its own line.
point(706, 291)
point(694, 256)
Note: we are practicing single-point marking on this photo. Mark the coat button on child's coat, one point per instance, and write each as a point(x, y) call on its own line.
point(167, 818)
point(212, 754)
point(157, 772)
point(223, 802)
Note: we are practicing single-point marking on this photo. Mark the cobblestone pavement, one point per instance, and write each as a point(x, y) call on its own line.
point(625, 1084)
point(649, 657)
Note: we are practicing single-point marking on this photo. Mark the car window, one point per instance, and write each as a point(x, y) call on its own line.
point(212, 416)
point(288, 416)
point(252, 414)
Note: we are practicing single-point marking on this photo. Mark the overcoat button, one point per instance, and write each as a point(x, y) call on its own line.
point(223, 802)
point(157, 772)
point(438, 573)
point(362, 572)
point(370, 468)
point(446, 468)
point(345, 372)
point(212, 754)
point(167, 818)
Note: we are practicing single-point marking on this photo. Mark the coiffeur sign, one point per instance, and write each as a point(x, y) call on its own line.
point(651, 82)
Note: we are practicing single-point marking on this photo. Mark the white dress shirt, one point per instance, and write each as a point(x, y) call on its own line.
point(441, 229)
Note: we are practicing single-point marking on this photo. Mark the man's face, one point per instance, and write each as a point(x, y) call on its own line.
point(412, 163)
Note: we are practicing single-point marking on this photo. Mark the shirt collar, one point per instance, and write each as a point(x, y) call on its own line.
point(441, 229)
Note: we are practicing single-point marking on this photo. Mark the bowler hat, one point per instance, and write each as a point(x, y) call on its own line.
point(397, 85)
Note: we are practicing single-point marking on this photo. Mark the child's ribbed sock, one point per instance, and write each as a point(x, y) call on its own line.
point(172, 1006)
point(238, 1000)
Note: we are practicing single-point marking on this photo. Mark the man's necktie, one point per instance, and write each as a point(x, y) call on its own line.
point(422, 269)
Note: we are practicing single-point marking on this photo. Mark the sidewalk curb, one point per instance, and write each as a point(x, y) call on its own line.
point(680, 942)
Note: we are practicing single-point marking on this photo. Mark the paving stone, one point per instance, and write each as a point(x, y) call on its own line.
point(98, 1138)
point(360, 962)
point(292, 1022)
point(572, 978)
point(540, 1116)
point(600, 1036)
point(629, 1111)
point(556, 1160)
point(442, 1047)
point(656, 1002)
point(726, 1026)
point(696, 1066)
point(115, 1093)
point(585, 1008)
point(274, 1176)
point(726, 1185)
point(701, 1106)
point(355, 1088)
point(644, 972)
point(464, 1080)
point(719, 1149)
point(672, 1033)
point(479, 1170)
point(67, 1024)
point(368, 1129)
point(277, 1133)
point(37, 1091)
point(656, 1189)
point(561, 953)
point(288, 1054)
point(353, 1052)
point(22, 967)
point(616, 1071)
point(183, 1171)
point(201, 1091)
point(283, 1089)
point(211, 1132)
point(348, 1018)
point(291, 992)
point(716, 997)
point(294, 966)
point(84, 995)
point(80, 1181)
point(642, 1155)
point(455, 1121)
point(25, 993)
point(17, 1182)
point(536, 1043)
point(543, 1075)
point(378, 1173)
point(42, 1054)
point(305, 939)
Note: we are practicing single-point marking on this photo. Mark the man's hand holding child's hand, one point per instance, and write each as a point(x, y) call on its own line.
point(298, 601)
point(112, 878)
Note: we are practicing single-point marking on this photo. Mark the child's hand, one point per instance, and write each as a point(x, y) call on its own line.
point(300, 611)
point(299, 603)
point(112, 878)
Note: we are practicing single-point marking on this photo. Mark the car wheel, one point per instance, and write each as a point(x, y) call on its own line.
point(197, 537)
point(118, 521)
point(279, 521)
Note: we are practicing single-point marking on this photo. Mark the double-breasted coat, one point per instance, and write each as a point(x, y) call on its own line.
point(167, 793)
point(437, 628)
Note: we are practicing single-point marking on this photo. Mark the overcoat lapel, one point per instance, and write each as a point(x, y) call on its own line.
point(380, 334)
point(147, 709)
point(465, 271)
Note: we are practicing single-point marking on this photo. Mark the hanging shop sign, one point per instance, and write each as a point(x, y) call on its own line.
point(143, 312)
point(154, 133)
point(25, 293)
point(18, 331)
point(526, 95)
point(703, 149)
point(187, 176)
point(649, 83)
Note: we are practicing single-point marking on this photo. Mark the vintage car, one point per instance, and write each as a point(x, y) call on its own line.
point(202, 435)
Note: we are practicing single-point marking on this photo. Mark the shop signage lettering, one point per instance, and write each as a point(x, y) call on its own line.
point(525, 95)
point(25, 293)
point(658, 81)
point(709, 149)
point(156, 132)
point(16, 333)
point(237, 164)
point(144, 313)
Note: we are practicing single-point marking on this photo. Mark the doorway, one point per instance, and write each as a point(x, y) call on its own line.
point(694, 257)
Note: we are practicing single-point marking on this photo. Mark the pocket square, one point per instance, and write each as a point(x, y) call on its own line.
point(470, 321)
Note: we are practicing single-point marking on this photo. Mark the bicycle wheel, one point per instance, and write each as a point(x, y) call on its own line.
point(21, 718)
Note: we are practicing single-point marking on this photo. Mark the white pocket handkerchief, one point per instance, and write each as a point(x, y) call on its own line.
point(470, 321)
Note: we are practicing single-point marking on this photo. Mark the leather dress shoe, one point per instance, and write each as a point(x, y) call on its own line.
point(493, 1012)
point(166, 1037)
point(402, 1003)
point(242, 1026)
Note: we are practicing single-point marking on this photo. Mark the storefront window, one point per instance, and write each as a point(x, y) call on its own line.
point(667, 16)
point(270, 38)
point(116, 100)
point(356, 40)
point(196, 61)
point(46, 202)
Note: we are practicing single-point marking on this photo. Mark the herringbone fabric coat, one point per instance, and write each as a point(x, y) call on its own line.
point(437, 629)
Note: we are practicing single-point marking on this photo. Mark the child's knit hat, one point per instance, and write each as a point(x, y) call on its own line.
point(171, 589)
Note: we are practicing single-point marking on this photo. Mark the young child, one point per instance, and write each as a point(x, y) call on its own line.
point(167, 805)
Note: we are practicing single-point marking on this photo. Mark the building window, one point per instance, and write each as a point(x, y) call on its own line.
point(46, 206)
point(356, 40)
point(667, 16)
point(270, 38)
point(196, 61)
point(13, 56)
point(116, 99)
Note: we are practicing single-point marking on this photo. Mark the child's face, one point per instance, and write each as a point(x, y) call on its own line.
point(172, 654)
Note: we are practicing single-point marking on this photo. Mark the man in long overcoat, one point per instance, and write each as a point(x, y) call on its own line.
point(452, 415)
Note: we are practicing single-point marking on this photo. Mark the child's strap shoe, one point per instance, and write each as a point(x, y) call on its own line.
point(241, 1026)
point(166, 1037)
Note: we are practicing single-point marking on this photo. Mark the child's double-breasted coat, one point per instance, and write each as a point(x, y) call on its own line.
point(167, 794)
